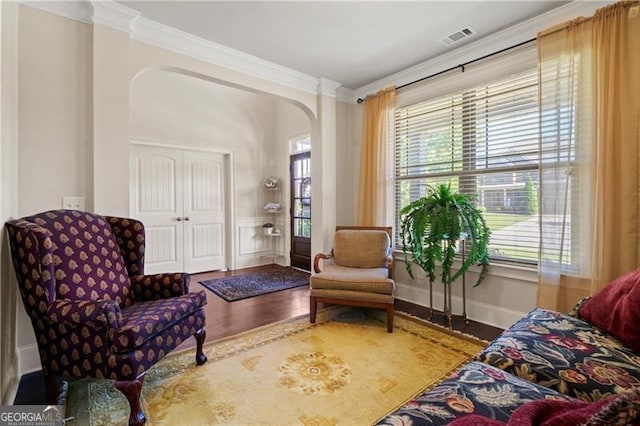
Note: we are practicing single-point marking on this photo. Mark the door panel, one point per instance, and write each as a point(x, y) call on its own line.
point(301, 210)
point(160, 247)
point(204, 211)
point(179, 196)
point(156, 200)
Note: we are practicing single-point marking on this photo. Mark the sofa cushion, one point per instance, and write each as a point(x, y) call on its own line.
point(475, 388)
point(614, 309)
point(566, 354)
point(361, 248)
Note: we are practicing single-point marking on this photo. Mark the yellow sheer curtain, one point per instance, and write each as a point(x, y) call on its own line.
point(590, 133)
point(375, 200)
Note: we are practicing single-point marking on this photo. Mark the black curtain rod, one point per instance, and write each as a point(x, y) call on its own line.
point(461, 66)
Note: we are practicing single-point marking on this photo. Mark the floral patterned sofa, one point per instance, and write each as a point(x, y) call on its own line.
point(548, 368)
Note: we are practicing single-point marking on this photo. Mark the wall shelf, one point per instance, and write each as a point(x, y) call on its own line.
point(273, 209)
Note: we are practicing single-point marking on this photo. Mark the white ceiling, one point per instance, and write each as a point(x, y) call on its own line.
point(354, 43)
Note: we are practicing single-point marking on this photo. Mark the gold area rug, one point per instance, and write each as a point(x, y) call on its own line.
point(339, 371)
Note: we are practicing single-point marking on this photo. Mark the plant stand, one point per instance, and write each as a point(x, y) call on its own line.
point(448, 305)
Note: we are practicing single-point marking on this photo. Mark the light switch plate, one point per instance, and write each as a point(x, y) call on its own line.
point(73, 203)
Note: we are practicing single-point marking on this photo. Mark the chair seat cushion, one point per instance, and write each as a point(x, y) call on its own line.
point(368, 280)
point(144, 320)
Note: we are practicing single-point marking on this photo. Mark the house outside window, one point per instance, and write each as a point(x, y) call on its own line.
point(482, 141)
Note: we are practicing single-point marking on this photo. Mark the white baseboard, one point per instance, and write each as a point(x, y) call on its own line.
point(250, 262)
point(496, 316)
point(12, 391)
point(11, 386)
point(28, 359)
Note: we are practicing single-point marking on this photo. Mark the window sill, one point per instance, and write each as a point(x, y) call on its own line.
point(526, 273)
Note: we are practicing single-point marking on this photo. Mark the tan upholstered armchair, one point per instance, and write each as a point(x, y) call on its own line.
point(357, 272)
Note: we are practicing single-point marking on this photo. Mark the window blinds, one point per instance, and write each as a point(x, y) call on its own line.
point(484, 142)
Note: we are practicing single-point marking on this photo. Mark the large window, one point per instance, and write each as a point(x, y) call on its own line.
point(483, 141)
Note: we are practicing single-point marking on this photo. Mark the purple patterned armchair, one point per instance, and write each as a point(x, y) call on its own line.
point(94, 312)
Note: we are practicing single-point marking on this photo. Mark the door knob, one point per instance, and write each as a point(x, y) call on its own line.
point(178, 219)
point(186, 218)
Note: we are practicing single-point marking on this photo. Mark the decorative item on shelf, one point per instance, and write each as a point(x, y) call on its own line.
point(272, 207)
point(267, 228)
point(272, 182)
point(434, 228)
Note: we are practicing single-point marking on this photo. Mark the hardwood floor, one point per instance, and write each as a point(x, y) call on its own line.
point(477, 329)
point(229, 318)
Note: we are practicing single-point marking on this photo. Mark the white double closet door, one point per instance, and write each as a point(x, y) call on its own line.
point(179, 195)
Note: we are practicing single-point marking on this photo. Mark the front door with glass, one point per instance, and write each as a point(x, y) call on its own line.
point(301, 211)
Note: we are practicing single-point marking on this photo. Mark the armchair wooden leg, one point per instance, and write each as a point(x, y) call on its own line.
point(390, 311)
point(200, 335)
point(131, 390)
point(51, 388)
point(313, 308)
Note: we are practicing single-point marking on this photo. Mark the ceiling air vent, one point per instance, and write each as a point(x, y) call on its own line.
point(458, 36)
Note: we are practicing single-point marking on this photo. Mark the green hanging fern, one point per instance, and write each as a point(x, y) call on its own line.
point(431, 221)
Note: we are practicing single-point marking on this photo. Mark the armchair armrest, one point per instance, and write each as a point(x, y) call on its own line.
point(388, 263)
point(316, 260)
point(92, 313)
point(160, 286)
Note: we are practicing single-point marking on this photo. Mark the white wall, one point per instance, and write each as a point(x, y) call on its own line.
point(54, 127)
point(507, 293)
point(349, 123)
point(9, 360)
point(323, 174)
point(54, 122)
point(173, 109)
point(109, 146)
point(319, 108)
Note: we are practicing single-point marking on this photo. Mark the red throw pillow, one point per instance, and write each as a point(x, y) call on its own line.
point(619, 409)
point(614, 309)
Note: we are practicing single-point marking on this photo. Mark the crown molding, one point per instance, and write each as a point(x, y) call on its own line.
point(346, 95)
point(502, 39)
point(169, 38)
point(328, 87)
point(113, 15)
point(122, 18)
point(76, 10)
